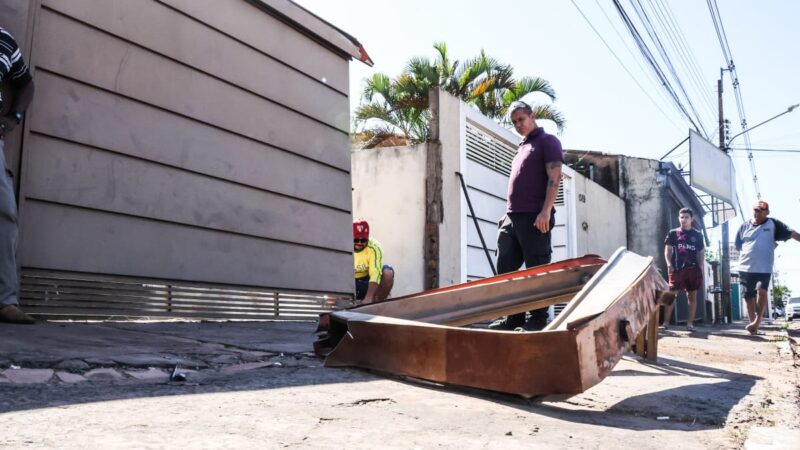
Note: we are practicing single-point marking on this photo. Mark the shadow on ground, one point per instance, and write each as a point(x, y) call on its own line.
point(700, 397)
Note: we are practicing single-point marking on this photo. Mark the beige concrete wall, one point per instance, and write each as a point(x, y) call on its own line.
point(452, 231)
point(600, 226)
point(389, 192)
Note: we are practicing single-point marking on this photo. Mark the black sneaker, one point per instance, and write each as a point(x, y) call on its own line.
point(508, 323)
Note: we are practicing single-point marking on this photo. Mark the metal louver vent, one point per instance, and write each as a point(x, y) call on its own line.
point(560, 196)
point(497, 155)
point(82, 295)
point(489, 151)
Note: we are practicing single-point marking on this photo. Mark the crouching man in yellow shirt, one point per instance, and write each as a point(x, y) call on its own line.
point(374, 279)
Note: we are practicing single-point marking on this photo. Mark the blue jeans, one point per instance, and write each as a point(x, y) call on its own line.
point(9, 282)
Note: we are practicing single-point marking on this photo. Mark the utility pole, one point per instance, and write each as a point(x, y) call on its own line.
point(726, 256)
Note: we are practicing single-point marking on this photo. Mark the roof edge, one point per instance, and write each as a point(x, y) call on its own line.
point(315, 27)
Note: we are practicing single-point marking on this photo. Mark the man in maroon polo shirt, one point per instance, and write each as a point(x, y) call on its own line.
point(524, 232)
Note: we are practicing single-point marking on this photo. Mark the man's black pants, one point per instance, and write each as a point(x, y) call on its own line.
point(519, 241)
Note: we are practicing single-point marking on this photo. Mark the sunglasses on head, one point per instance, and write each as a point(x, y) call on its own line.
point(360, 241)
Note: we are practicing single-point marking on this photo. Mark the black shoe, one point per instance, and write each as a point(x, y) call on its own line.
point(12, 314)
point(535, 324)
point(508, 323)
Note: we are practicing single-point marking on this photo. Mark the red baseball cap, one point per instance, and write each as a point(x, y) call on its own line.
point(360, 229)
point(762, 205)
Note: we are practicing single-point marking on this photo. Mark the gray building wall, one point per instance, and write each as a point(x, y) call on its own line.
point(184, 140)
point(653, 192)
point(647, 210)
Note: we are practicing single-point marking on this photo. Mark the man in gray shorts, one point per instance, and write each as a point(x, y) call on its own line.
point(756, 241)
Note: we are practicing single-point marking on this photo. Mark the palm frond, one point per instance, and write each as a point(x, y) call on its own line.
point(549, 112)
point(379, 84)
point(530, 85)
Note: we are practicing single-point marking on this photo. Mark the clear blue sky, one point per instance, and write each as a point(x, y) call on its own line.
point(605, 108)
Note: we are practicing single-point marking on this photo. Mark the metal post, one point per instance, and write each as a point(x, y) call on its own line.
point(726, 257)
point(477, 226)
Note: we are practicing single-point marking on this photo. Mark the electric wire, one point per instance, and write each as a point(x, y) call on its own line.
point(675, 35)
point(681, 64)
point(649, 75)
point(623, 64)
point(644, 18)
point(650, 59)
point(716, 17)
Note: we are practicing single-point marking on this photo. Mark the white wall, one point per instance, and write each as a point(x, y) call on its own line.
point(600, 219)
point(452, 263)
point(389, 193)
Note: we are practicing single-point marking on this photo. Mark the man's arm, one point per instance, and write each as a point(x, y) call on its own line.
point(783, 232)
point(668, 257)
point(375, 271)
point(553, 180)
point(737, 243)
point(701, 260)
point(22, 99)
point(372, 288)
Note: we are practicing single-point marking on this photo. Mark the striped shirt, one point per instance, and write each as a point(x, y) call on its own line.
point(13, 69)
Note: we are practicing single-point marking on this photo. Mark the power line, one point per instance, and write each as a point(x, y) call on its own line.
point(644, 18)
point(621, 63)
point(650, 59)
point(773, 150)
point(726, 51)
point(664, 14)
point(647, 74)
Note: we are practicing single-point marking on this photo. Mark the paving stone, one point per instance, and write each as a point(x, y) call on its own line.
point(72, 365)
point(103, 374)
point(28, 376)
point(146, 360)
point(224, 359)
point(148, 374)
point(68, 377)
point(212, 346)
point(247, 366)
point(255, 356)
point(99, 361)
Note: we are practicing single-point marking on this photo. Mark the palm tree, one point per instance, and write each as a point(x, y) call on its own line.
point(388, 109)
point(481, 81)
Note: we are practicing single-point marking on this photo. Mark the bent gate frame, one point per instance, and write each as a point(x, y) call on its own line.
point(420, 335)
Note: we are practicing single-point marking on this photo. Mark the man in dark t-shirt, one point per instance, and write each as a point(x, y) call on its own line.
point(524, 232)
point(685, 255)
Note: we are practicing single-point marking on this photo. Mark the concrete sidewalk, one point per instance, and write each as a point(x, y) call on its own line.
point(76, 351)
point(254, 383)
